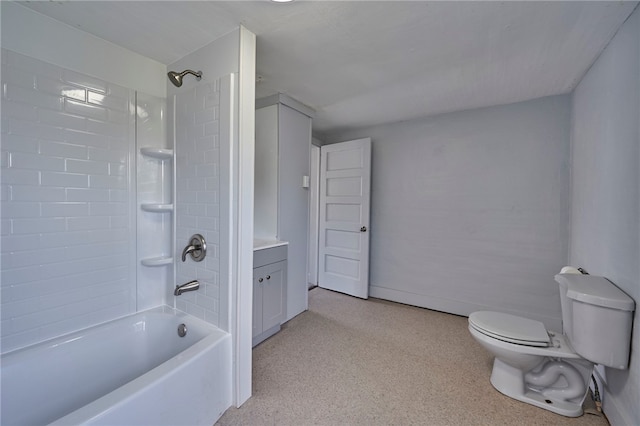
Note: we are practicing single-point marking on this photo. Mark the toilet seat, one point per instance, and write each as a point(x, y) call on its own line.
point(510, 328)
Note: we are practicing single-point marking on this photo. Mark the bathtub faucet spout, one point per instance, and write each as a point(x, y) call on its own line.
point(190, 286)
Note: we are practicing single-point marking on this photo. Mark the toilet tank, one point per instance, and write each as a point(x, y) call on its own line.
point(596, 318)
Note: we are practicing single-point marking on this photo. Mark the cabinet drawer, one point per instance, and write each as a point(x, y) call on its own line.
point(269, 255)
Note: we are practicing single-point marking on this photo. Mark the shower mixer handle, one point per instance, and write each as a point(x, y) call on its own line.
point(197, 248)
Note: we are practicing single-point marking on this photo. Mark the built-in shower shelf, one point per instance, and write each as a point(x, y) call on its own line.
point(157, 208)
point(159, 153)
point(157, 261)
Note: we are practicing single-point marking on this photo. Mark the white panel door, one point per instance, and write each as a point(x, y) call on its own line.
point(345, 180)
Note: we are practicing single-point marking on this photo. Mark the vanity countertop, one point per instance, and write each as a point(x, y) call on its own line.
point(261, 244)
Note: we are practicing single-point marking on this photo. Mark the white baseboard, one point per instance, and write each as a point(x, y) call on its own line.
point(451, 306)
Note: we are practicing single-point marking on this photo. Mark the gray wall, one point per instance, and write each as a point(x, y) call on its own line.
point(470, 210)
point(605, 219)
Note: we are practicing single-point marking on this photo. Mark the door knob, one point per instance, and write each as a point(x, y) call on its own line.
point(363, 229)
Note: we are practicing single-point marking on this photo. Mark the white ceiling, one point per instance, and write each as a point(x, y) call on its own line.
point(371, 62)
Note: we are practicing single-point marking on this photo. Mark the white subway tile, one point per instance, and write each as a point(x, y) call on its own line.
point(64, 179)
point(208, 223)
point(85, 138)
point(24, 160)
point(212, 290)
point(106, 181)
point(97, 250)
point(20, 275)
point(18, 77)
point(19, 242)
point(20, 111)
point(19, 143)
point(86, 223)
point(85, 110)
point(32, 97)
point(38, 226)
point(208, 197)
point(107, 129)
point(196, 185)
point(119, 222)
point(212, 99)
point(13, 210)
point(207, 303)
point(205, 143)
point(83, 80)
point(118, 195)
point(203, 116)
point(193, 309)
point(37, 256)
point(102, 236)
point(63, 150)
point(36, 193)
point(65, 209)
point(34, 130)
point(206, 170)
point(213, 210)
point(87, 166)
point(109, 209)
point(212, 183)
point(60, 88)
point(196, 210)
point(61, 119)
point(20, 176)
point(211, 128)
point(212, 156)
point(63, 239)
point(80, 194)
point(108, 155)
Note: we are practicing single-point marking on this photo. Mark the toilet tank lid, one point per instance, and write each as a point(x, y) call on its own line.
point(595, 290)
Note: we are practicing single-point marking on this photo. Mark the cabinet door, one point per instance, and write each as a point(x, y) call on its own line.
point(258, 273)
point(273, 294)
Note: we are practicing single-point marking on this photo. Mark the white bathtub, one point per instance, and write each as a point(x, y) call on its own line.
point(132, 371)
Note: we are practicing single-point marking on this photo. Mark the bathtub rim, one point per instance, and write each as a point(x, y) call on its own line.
point(162, 309)
point(130, 390)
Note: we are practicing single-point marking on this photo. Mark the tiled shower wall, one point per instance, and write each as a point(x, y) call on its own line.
point(197, 149)
point(68, 212)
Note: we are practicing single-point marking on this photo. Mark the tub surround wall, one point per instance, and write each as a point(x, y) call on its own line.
point(605, 174)
point(64, 114)
point(470, 210)
point(67, 206)
point(198, 195)
point(202, 144)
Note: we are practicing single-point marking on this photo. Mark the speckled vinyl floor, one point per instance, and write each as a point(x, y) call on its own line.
point(349, 361)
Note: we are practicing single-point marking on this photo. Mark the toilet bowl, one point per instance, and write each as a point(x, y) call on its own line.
point(531, 364)
point(551, 370)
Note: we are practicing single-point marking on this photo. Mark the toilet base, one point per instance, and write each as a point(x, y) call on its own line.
point(510, 382)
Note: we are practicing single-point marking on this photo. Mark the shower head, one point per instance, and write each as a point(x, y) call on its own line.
point(176, 78)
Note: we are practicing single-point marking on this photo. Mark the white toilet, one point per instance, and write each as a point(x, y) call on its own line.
point(552, 370)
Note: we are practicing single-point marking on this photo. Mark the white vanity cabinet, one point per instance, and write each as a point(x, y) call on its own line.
point(269, 291)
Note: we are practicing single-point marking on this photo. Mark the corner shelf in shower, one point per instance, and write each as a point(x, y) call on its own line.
point(157, 208)
point(157, 261)
point(158, 153)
